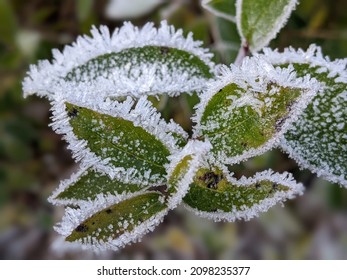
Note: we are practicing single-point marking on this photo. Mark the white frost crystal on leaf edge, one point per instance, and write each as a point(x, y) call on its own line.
point(336, 69)
point(285, 179)
point(198, 151)
point(313, 56)
point(143, 115)
point(254, 74)
point(74, 178)
point(74, 217)
point(45, 78)
point(65, 184)
point(277, 26)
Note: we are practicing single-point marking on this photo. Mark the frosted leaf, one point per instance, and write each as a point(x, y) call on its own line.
point(130, 61)
point(129, 144)
point(110, 223)
point(259, 21)
point(182, 169)
point(246, 110)
point(218, 196)
point(221, 8)
point(318, 140)
point(125, 9)
point(87, 184)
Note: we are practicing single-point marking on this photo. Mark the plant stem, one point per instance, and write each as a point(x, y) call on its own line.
point(243, 52)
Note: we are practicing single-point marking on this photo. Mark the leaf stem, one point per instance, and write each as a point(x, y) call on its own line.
point(243, 52)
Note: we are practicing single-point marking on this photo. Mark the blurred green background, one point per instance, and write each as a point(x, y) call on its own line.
point(33, 159)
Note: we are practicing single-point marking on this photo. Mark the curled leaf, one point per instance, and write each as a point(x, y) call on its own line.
point(87, 184)
point(217, 196)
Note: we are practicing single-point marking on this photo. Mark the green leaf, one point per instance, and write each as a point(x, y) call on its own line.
point(178, 173)
point(218, 196)
point(318, 140)
point(244, 116)
point(87, 184)
point(174, 59)
point(121, 223)
point(259, 21)
point(182, 169)
point(119, 142)
point(221, 8)
point(131, 61)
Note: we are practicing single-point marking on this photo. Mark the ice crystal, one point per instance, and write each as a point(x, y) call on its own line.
point(318, 140)
point(285, 188)
point(182, 169)
point(117, 64)
point(143, 115)
point(87, 184)
point(269, 98)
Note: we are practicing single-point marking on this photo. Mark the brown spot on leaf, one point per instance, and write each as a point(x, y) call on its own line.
point(82, 228)
point(211, 179)
point(72, 113)
point(164, 50)
point(279, 123)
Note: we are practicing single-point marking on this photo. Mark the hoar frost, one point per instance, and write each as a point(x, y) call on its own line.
point(135, 166)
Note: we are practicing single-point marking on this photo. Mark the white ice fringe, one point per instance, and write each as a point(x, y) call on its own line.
point(44, 78)
point(254, 74)
point(74, 217)
point(324, 171)
point(312, 56)
point(197, 150)
point(80, 150)
point(337, 69)
point(277, 26)
point(74, 178)
point(65, 184)
point(285, 179)
point(143, 115)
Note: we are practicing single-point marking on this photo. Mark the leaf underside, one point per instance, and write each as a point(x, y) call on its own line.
point(318, 140)
point(124, 144)
point(112, 222)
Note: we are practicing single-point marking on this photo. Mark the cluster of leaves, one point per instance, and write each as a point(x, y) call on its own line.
point(135, 166)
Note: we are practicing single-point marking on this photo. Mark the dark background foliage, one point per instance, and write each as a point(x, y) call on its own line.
point(33, 159)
